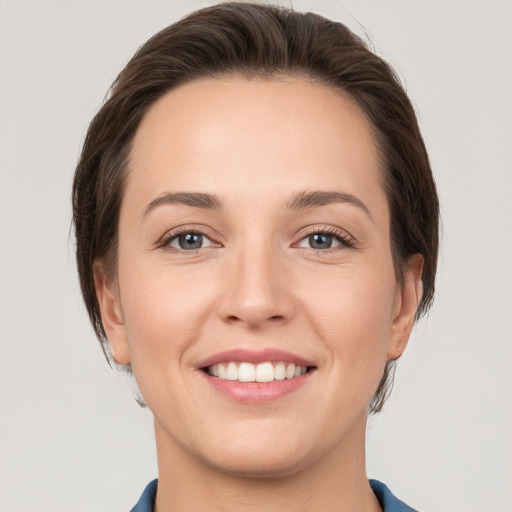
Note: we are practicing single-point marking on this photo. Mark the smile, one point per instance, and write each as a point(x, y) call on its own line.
point(263, 372)
point(256, 377)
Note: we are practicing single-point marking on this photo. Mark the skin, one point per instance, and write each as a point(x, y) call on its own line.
point(257, 283)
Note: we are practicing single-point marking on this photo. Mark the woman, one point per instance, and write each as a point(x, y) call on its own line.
point(257, 230)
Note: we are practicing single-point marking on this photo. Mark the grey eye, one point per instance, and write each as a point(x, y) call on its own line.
point(189, 241)
point(320, 241)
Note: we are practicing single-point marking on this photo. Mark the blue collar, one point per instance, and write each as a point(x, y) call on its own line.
point(388, 502)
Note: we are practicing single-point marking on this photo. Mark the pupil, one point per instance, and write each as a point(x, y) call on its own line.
point(191, 241)
point(320, 241)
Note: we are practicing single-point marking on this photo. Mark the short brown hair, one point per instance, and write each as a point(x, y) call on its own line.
point(256, 40)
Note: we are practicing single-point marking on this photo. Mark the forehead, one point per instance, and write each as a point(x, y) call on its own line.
point(244, 136)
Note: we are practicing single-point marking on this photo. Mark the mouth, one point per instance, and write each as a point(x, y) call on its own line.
point(267, 371)
point(255, 377)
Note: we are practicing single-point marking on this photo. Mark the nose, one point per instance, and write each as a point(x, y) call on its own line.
point(257, 291)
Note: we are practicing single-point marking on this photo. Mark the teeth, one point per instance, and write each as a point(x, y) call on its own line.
point(232, 371)
point(279, 371)
point(263, 372)
point(246, 372)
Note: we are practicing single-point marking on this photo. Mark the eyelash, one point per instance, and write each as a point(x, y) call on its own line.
point(340, 235)
point(165, 241)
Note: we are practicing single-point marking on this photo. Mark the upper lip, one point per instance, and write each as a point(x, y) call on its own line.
point(254, 356)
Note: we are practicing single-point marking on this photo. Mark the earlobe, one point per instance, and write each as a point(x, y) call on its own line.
point(408, 299)
point(111, 315)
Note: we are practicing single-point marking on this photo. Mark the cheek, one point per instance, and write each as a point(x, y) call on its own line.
point(164, 312)
point(352, 314)
point(351, 301)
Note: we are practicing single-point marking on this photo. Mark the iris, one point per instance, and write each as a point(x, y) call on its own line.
point(190, 241)
point(320, 241)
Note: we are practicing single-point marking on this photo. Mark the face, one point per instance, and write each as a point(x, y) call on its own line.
point(256, 298)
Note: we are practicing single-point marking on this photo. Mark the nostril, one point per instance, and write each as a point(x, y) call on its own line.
point(234, 318)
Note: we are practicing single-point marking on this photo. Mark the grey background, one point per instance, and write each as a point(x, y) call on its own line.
point(73, 438)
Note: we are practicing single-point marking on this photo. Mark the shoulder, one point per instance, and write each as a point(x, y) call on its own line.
point(387, 500)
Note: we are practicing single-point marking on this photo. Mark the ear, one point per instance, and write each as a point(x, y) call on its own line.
point(111, 314)
point(407, 298)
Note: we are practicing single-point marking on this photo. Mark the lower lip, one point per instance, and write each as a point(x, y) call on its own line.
point(257, 392)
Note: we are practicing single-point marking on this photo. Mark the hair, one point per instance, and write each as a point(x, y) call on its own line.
point(254, 40)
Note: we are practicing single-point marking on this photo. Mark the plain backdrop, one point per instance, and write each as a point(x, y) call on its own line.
point(73, 438)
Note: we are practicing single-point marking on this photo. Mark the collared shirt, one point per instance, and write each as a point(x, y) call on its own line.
point(388, 502)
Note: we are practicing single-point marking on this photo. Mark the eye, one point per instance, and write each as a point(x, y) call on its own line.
point(323, 240)
point(189, 241)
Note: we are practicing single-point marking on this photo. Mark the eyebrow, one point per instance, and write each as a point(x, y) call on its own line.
point(305, 200)
point(301, 201)
point(196, 199)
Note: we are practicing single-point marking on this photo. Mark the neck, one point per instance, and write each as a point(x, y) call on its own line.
point(335, 483)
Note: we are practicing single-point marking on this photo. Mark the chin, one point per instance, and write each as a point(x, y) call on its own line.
point(261, 457)
point(261, 465)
